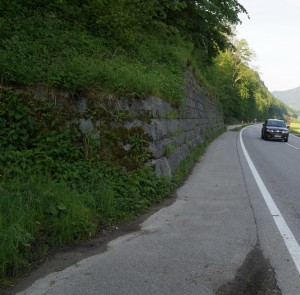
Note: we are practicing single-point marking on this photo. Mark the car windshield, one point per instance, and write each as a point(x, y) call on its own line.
point(276, 123)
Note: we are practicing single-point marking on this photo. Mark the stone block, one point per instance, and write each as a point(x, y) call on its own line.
point(179, 140)
point(163, 168)
point(86, 126)
point(158, 148)
point(177, 156)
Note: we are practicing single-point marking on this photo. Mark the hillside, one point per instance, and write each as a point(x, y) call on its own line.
point(289, 97)
point(132, 48)
point(59, 184)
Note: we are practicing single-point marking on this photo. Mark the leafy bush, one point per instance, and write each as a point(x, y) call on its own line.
point(33, 136)
point(116, 193)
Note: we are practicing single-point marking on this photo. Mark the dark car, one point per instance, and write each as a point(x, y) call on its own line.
point(275, 129)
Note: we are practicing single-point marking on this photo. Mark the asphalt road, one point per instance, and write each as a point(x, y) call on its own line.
point(278, 165)
point(199, 243)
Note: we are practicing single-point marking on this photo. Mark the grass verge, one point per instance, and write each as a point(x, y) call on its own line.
point(295, 127)
point(39, 212)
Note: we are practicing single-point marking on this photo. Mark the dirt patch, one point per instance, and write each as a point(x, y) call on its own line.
point(62, 257)
point(255, 277)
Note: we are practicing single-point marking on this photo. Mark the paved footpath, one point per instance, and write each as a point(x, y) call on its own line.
point(191, 247)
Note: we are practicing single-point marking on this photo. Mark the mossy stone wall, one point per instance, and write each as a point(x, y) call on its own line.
point(132, 132)
point(173, 132)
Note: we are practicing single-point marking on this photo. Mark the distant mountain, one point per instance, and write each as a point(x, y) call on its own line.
point(289, 97)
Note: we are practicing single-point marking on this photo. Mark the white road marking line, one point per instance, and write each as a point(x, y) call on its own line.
point(294, 136)
point(292, 146)
point(288, 237)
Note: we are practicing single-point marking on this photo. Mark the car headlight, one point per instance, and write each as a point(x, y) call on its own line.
point(270, 130)
point(285, 132)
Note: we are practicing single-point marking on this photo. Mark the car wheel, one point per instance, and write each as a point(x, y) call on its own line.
point(286, 140)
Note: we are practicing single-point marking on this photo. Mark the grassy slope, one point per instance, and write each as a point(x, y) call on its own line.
point(46, 49)
point(50, 193)
point(295, 127)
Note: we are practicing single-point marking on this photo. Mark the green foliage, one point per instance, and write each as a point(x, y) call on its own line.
point(37, 212)
point(33, 136)
point(48, 43)
point(169, 149)
point(207, 24)
point(174, 114)
point(130, 47)
point(125, 147)
point(53, 191)
point(54, 187)
point(116, 193)
point(241, 92)
point(295, 126)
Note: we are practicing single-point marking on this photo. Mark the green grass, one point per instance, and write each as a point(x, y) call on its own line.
point(38, 212)
point(295, 127)
point(52, 191)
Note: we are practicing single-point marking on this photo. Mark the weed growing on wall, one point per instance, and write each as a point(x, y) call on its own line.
point(33, 136)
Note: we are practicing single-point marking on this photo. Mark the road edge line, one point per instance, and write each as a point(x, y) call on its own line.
point(292, 146)
point(287, 235)
point(294, 136)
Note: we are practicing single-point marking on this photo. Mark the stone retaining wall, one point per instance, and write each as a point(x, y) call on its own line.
point(174, 131)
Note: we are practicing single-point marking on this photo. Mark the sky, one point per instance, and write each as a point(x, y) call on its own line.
point(273, 33)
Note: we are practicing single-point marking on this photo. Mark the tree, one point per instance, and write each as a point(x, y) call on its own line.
point(241, 92)
point(206, 23)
